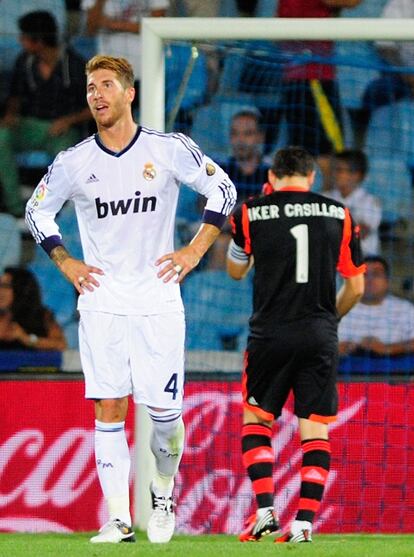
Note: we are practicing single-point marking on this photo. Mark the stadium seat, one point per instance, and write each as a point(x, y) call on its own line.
point(365, 9)
point(84, 45)
point(10, 241)
point(177, 59)
point(390, 149)
point(358, 65)
point(217, 310)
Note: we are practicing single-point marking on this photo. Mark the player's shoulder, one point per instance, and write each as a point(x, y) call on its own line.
point(173, 139)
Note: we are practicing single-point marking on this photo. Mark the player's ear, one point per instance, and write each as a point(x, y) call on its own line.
point(311, 177)
point(271, 176)
point(131, 93)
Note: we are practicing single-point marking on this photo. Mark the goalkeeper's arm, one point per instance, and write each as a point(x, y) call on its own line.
point(349, 294)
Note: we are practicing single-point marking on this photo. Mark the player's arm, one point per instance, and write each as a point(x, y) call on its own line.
point(192, 167)
point(181, 262)
point(349, 294)
point(41, 209)
point(238, 263)
point(239, 257)
point(350, 267)
point(75, 271)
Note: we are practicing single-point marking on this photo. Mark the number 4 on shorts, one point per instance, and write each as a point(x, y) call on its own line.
point(171, 386)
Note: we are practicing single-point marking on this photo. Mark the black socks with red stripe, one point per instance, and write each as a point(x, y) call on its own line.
point(314, 473)
point(258, 459)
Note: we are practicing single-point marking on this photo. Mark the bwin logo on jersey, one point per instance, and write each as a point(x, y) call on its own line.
point(122, 206)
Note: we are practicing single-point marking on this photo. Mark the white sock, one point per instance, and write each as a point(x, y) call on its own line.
point(167, 445)
point(113, 464)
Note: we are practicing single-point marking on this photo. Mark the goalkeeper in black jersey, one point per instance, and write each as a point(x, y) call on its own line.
point(297, 241)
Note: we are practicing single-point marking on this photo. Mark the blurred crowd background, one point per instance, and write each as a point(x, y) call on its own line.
point(351, 104)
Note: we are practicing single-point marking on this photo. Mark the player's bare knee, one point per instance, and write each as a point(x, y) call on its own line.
point(111, 409)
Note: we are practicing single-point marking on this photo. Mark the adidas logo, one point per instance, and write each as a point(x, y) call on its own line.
point(92, 178)
point(263, 454)
point(314, 475)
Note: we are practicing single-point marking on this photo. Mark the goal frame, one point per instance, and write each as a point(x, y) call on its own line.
point(155, 32)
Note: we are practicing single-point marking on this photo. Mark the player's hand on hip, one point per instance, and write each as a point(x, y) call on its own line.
point(178, 264)
point(80, 274)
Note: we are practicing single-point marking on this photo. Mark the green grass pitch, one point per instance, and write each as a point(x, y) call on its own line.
point(77, 545)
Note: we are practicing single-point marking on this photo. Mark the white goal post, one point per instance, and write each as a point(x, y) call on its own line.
point(155, 31)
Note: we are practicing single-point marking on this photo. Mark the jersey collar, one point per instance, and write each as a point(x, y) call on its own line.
point(120, 153)
point(292, 188)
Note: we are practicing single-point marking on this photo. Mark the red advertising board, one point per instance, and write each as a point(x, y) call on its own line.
point(48, 480)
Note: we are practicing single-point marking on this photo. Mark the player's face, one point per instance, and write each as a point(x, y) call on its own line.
point(108, 100)
point(245, 137)
point(6, 291)
point(376, 283)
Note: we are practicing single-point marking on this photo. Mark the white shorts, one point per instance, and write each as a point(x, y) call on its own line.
point(142, 355)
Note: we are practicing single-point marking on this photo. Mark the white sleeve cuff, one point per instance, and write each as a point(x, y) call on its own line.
point(236, 254)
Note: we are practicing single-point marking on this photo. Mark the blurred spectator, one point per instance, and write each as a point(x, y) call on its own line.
point(117, 24)
point(46, 101)
point(310, 96)
point(201, 8)
point(246, 8)
point(349, 170)
point(73, 18)
point(392, 86)
point(245, 168)
point(194, 8)
point(381, 323)
point(24, 322)
point(245, 165)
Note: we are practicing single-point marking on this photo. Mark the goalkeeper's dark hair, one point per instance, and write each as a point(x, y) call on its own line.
point(40, 26)
point(292, 161)
point(355, 159)
point(27, 309)
point(381, 261)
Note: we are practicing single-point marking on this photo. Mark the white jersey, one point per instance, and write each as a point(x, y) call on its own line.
point(125, 205)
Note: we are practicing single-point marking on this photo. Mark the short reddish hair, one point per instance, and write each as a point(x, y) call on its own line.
point(120, 66)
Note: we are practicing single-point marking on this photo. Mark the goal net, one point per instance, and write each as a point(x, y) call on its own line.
point(197, 75)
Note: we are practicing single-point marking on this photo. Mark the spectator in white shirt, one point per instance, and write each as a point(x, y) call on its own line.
point(381, 323)
point(349, 170)
point(117, 24)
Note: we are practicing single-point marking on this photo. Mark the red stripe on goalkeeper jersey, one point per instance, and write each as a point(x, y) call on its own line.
point(314, 474)
point(263, 485)
point(246, 230)
point(256, 429)
point(258, 455)
point(308, 504)
point(316, 445)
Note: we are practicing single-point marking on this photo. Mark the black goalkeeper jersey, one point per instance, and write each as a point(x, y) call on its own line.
point(298, 239)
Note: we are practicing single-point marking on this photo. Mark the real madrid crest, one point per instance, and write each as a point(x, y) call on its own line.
point(210, 169)
point(149, 172)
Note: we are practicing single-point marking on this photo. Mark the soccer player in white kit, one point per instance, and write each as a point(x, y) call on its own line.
point(124, 182)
